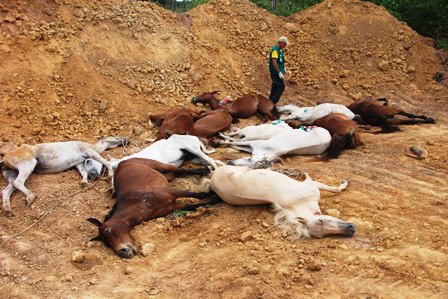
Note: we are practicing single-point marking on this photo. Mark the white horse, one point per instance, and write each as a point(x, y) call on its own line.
point(51, 158)
point(304, 141)
point(310, 114)
point(260, 132)
point(296, 203)
point(174, 151)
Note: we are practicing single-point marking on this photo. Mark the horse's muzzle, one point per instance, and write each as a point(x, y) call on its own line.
point(349, 229)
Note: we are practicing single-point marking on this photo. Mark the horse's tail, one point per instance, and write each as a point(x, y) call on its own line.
point(289, 223)
point(206, 185)
point(337, 144)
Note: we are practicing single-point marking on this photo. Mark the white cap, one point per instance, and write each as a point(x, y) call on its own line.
point(283, 39)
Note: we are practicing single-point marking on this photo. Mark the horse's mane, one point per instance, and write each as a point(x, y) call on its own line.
point(289, 223)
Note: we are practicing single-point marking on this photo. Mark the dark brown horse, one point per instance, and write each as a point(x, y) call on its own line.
point(142, 193)
point(376, 112)
point(243, 107)
point(343, 131)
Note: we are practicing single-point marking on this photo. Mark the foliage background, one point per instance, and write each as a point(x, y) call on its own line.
point(427, 17)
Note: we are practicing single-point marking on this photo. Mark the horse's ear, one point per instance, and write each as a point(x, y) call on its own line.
point(94, 221)
point(214, 92)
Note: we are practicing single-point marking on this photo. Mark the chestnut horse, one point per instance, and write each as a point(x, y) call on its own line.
point(243, 107)
point(376, 112)
point(174, 121)
point(186, 121)
point(210, 123)
point(343, 131)
point(142, 193)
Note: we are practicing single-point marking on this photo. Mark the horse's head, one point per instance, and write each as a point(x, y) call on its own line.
point(319, 226)
point(94, 169)
point(204, 98)
point(116, 235)
point(254, 162)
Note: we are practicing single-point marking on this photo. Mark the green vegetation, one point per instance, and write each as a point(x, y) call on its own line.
point(427, 17)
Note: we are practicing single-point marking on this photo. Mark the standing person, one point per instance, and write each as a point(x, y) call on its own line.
point(277, 69)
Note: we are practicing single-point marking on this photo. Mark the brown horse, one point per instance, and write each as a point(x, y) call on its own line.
point(210, 123)
point(243, 107)
point(343, 131)
point(186, 121)
point(142, 193)
point(376, 112)
point(175, 121)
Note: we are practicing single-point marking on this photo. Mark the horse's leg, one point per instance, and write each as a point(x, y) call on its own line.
point(410, 115)
point(198, 152)
point(226, 137)
point(204, 149)
point(242, 148)
point(83, 173)
point(423, 119)
point(25, 169)
point(289, 117)
point(322, 186)
point(185, 206)
point(385, 126)
point(10, 176)
point(260, 116)
point(90, 153)
point(238, 143)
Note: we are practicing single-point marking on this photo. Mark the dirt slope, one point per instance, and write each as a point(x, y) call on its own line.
point(82, 69)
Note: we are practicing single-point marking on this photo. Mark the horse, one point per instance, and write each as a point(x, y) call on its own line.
point(243, 107)
point(377, 112)
point(174, 151)
point(310, 114)
point(303, 141)
point(52, 158)
point(296, 203)
point(259, 132)
point(174, 121)
point(142, 193)
point(344, 133)
point(210, 123)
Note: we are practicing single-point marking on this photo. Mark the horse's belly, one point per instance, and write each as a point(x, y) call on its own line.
point(239, 200)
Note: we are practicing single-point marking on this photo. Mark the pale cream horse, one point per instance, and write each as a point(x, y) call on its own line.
point(54, 157)
point(296, 203)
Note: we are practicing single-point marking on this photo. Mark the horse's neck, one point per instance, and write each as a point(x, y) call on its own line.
point(214, 104)
point(306, 208)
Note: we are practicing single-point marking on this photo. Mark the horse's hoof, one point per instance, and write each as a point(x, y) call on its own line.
point(9, 213)
point(430, 120)
point(84, 183)
point(30, 199)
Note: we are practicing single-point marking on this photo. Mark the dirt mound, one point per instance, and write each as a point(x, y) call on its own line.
point(82, 69)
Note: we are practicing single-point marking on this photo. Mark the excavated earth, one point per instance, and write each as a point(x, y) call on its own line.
point(79, 70)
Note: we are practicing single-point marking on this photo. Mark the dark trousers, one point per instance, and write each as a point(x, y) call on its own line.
point(278, 86)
